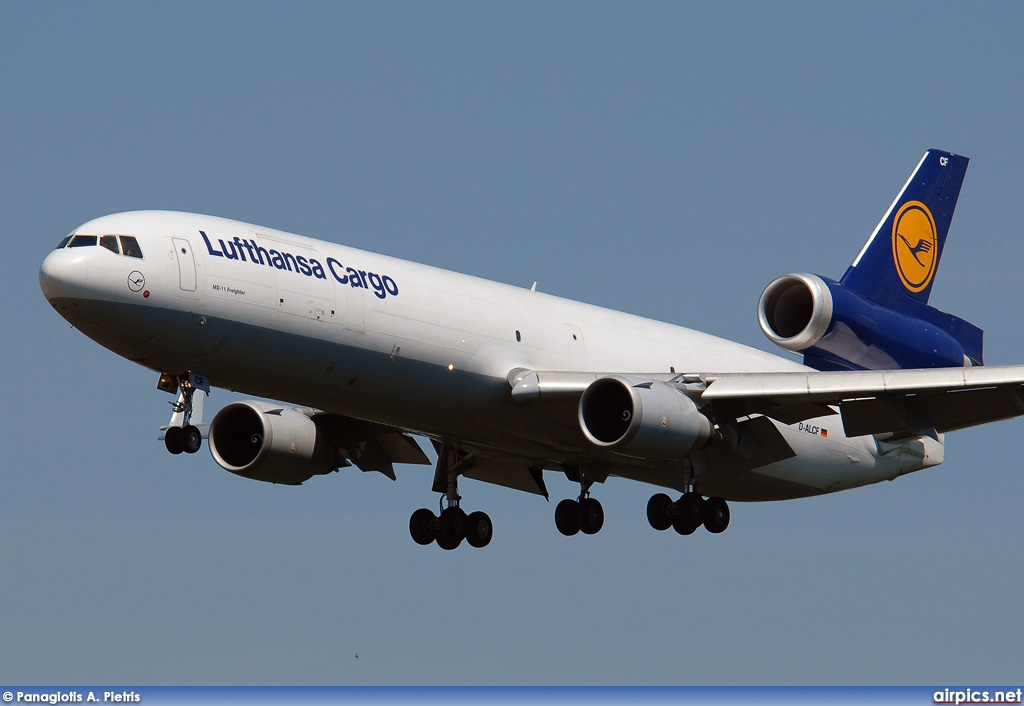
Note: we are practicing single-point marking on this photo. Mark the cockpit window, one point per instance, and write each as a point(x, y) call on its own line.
point(82, 241)
point(109, 242)
point(130, 246)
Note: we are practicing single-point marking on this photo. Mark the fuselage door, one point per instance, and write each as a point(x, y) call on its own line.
point(186, 265)
point(577, 350)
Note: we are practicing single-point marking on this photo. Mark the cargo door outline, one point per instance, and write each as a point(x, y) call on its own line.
point(351, 307)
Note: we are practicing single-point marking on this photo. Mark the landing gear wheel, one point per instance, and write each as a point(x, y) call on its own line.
point(683, 526)
point(423, 526)
point(174, 440)
point(452, 528)
point(590, 516)
point(658, 508)
point(716, 515)
point(691, 507)
point(478, 529)
point(191, 439)
point(565, 518)
point(691, 513)
point(447, 543)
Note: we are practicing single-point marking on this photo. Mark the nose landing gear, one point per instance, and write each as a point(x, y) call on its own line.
point(181, 434)
point(186, 439)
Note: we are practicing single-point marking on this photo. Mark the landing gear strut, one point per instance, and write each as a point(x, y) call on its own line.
point(451, 525)
point(181, 435)
point(584, 514)
point(690, 511)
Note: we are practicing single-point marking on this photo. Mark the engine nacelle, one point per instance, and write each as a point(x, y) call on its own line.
point(272, 444)
point(642, 418)
point(795, 311)
point(837, 329)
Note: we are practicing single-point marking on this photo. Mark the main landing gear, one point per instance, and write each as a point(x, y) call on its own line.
point(450, 527)
point(584, 514)
point(181, 435)
point(688, 513)
point(452, 524)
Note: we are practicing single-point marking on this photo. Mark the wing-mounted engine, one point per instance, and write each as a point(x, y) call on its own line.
point(273, 444)
point(289, 446)
point(642, 418)
point(837, 329)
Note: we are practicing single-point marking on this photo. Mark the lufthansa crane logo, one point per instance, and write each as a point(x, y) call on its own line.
point(914, 245)
point(136, 281)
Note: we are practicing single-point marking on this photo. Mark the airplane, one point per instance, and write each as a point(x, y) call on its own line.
point(507, 383)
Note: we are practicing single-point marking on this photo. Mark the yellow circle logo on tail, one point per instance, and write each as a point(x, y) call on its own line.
point(915, 245)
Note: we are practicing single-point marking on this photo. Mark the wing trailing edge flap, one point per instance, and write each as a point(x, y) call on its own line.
point(370, 447)
point(900, 402)
point(943, 412)
point(750, 443)
point(509, 475)
point(504, 472)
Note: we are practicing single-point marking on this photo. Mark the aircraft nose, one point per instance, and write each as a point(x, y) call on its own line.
point(50, 272)
point(57, 275)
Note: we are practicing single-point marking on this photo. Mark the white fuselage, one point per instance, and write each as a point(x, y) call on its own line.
point(372, 337)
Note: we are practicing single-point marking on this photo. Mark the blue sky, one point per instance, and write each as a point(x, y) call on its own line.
point(665, 159)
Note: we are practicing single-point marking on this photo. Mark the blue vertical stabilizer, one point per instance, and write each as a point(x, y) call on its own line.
point(877, 316)
point(898, 263)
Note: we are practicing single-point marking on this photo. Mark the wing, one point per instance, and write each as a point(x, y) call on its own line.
point(899, 402)
point(370, 447)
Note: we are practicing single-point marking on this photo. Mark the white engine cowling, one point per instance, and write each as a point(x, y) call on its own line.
point(642, 418)
point(795, 311)
point(272, 444)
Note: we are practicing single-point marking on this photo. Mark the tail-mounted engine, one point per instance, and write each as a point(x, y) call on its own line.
point(642, 418)
point(273, 444)
point(836, 329)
